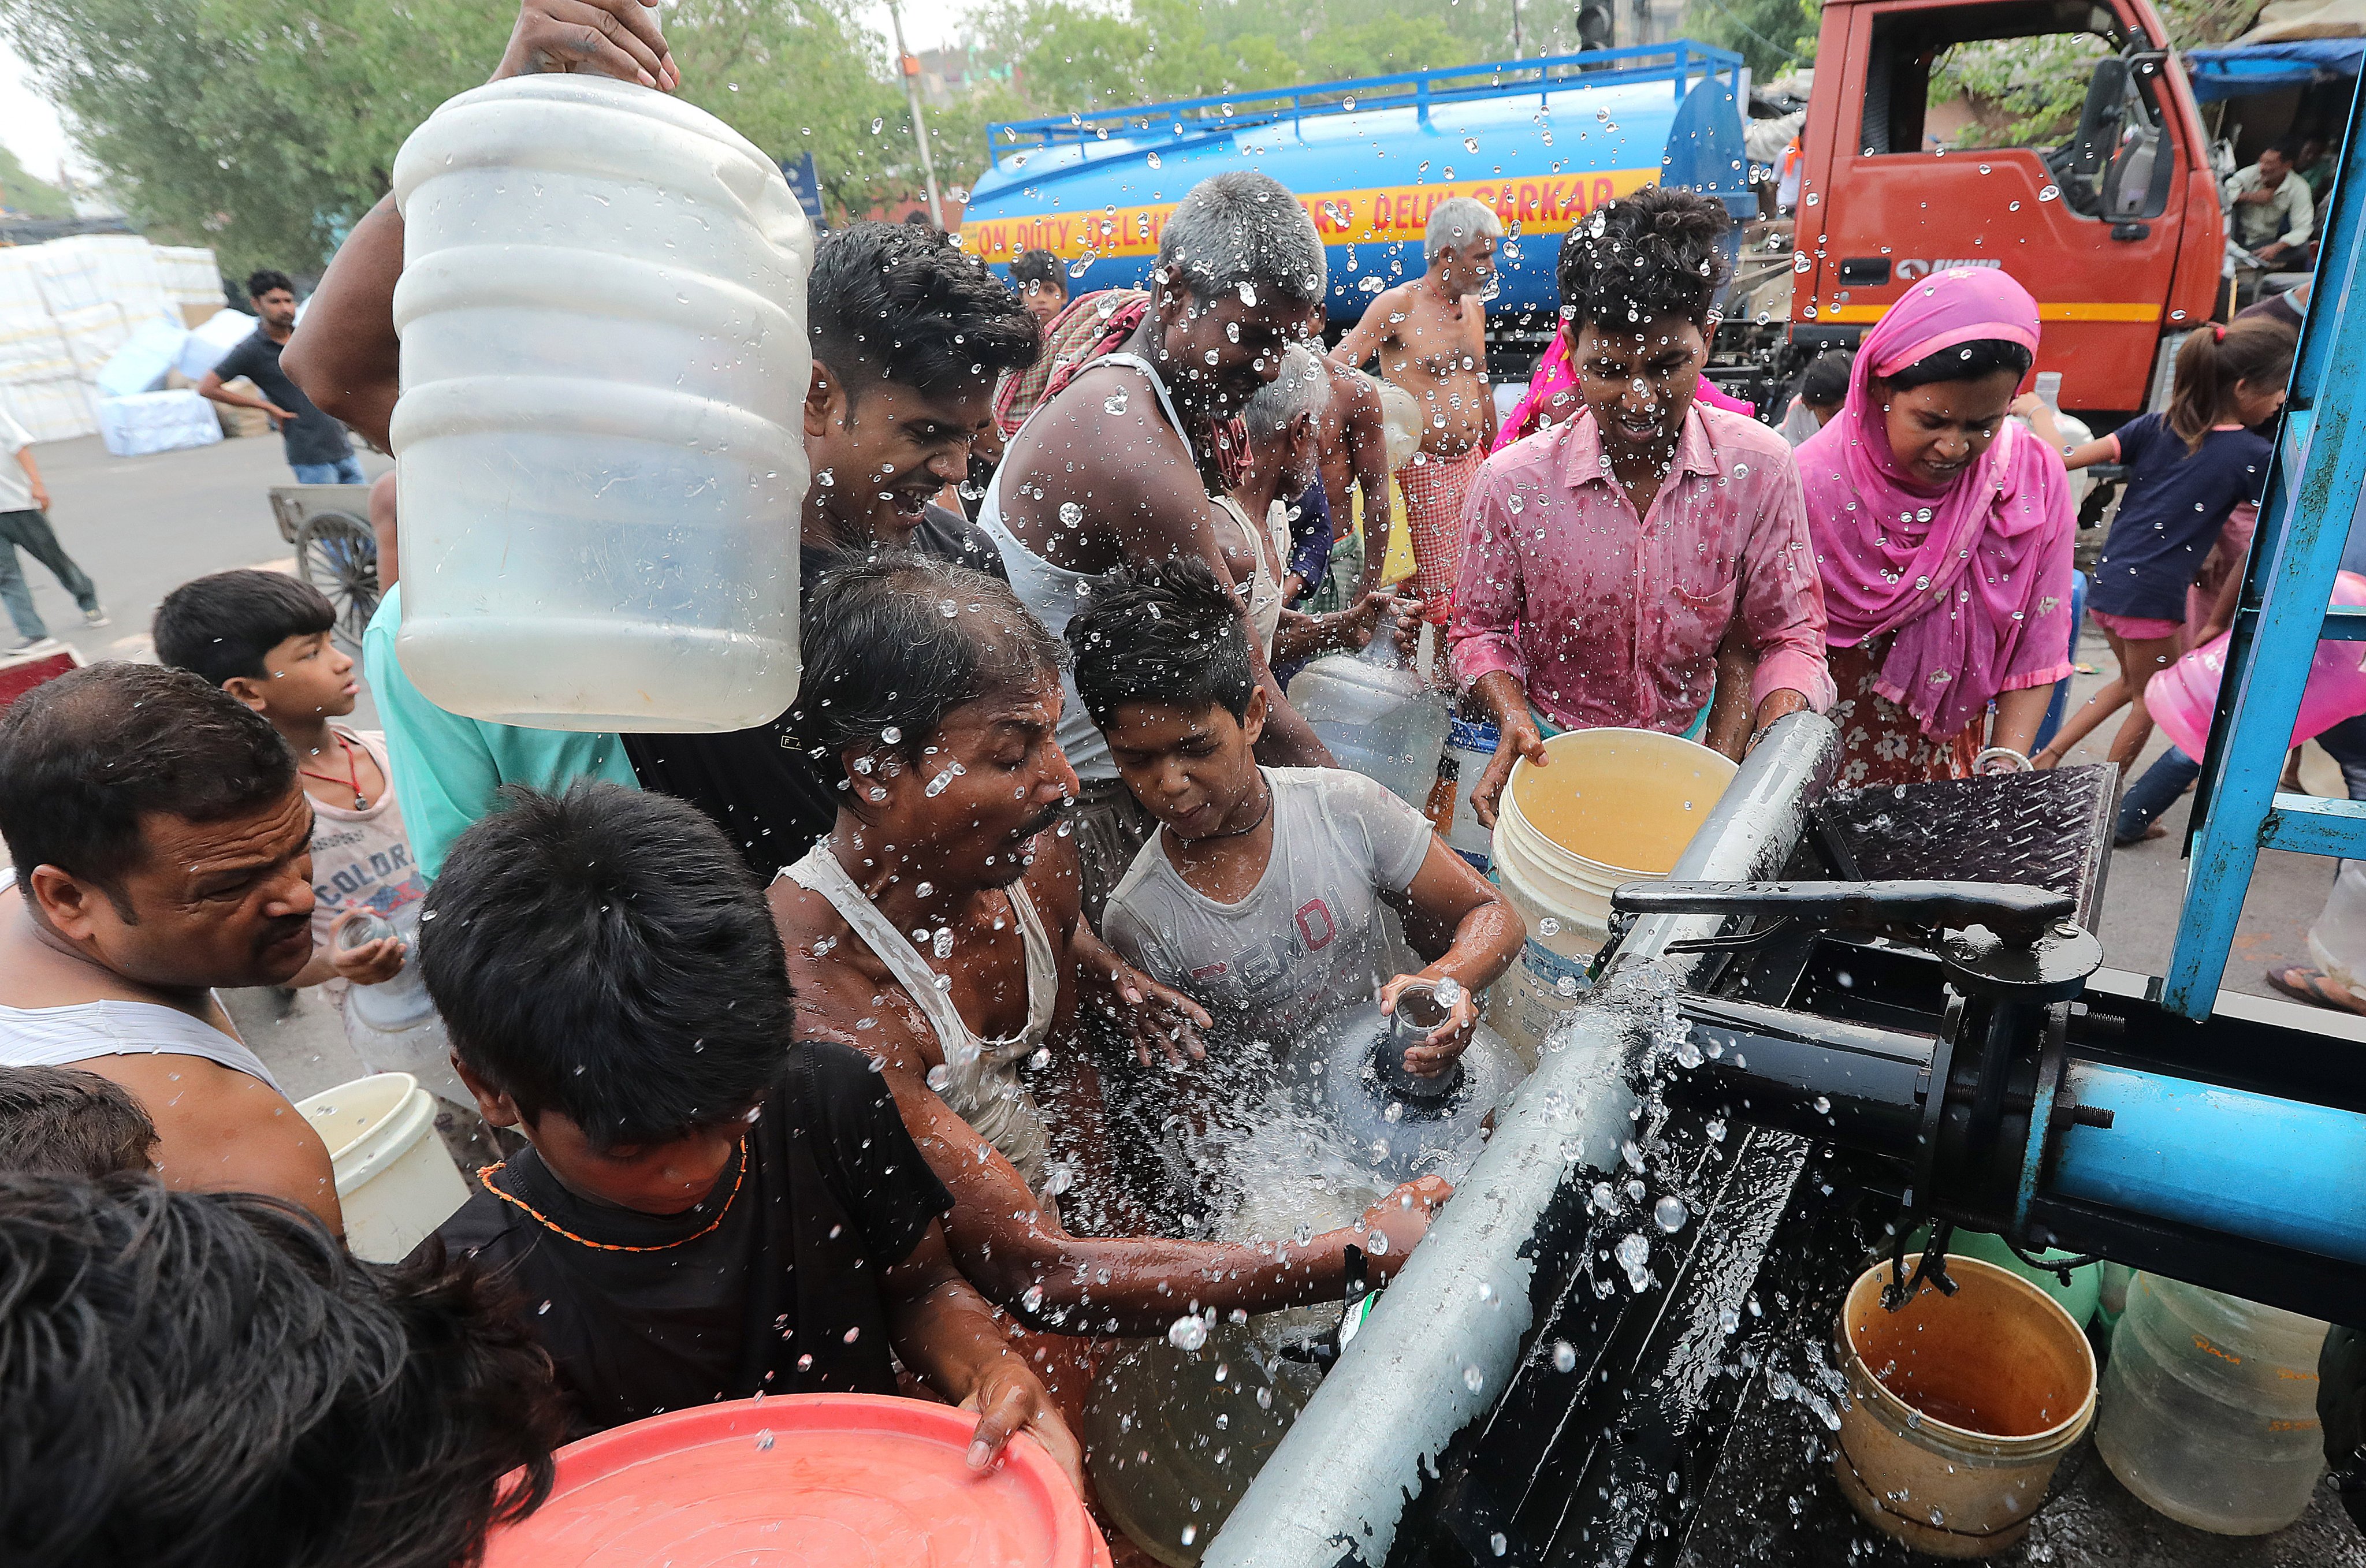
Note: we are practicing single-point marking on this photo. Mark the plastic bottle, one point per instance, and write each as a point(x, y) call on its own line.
point(2209, 1407)
point(393, 1026)
point(1471, 742)
point(604, 364)
point(1378, 717)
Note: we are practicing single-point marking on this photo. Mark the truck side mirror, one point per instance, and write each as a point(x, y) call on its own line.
point(2099, 121)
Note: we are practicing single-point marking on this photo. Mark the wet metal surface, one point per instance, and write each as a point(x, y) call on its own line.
point(1774, 1506)
point(2040, 829)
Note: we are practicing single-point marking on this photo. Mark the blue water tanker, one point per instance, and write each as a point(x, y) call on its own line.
point(1543, 141)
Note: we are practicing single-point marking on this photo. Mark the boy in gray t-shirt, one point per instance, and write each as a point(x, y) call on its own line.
point(1262, 895)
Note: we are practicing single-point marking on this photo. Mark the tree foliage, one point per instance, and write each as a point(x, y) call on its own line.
point(2029, 91)
point(265, 128)
point(20, 192)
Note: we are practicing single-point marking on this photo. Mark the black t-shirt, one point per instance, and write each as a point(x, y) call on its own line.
point(312, 436)
point(2170, 519)
point(770, 798)
point(770, 1286)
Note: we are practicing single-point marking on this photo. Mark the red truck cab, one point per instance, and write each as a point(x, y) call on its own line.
point(2118, 231)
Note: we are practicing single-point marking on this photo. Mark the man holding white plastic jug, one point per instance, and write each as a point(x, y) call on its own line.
point(909, 335)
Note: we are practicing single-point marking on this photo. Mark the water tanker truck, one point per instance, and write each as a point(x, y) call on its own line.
point(2117, 231)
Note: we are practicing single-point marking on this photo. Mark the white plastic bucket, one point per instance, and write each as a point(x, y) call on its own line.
point(395, 1180)
point(1613, 807)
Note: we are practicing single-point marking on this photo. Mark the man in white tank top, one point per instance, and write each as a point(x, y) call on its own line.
point(161, 846)
point(1119, 467)
point(937, 930)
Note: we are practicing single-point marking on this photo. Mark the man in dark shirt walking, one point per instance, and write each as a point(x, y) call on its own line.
point(317, 445)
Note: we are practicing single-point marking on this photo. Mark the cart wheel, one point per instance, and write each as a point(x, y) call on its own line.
point(338, 555)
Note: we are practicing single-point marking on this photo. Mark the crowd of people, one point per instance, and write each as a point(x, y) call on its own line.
point(863, 1050)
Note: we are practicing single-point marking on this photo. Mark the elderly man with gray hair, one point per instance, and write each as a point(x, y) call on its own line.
point(1430, 336)
point(1134, 459)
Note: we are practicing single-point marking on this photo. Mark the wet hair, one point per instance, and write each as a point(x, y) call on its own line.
point(1037, 267)
point(607, 954)
point(1239, 228)
point(898, 302)
point(208, 1380)
point(1964, 362)
point(1300, 391)
point(1166, 632)
point(1457, 222)
point(263, 280)
point(70, 1122)
point(224, 624)
point(1660, 252)
point(2214, 360)
point(85, 757)
point(1826, 380)
point(894, 642)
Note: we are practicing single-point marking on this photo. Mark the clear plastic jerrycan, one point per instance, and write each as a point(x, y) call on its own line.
point(1379, 717)
point(605, 362)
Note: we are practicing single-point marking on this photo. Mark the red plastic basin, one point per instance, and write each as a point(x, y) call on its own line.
point(803, 1480)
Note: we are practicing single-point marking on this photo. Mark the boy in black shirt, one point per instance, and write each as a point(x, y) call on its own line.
point(709, 1209)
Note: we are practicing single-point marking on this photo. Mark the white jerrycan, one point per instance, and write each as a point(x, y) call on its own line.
point(605, 363)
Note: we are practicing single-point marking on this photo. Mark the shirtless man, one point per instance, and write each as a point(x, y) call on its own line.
point(1430, 336)
point(1126, 465)
point(162, 846)
point(946, 724)
point(1355, 456)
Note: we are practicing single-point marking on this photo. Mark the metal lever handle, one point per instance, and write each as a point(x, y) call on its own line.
point(2017, 914)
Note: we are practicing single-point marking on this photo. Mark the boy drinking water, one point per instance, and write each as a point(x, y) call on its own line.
point(1262, 895)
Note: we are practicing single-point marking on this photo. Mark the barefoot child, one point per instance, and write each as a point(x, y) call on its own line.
point(1262, 895)
point(2189, 470)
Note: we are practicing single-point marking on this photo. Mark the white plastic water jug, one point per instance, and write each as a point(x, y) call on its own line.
point(605, 362)
point(2209, 1407)
point(1379, 717)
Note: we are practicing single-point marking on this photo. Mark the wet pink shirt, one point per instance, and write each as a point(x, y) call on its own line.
point(1608, 619)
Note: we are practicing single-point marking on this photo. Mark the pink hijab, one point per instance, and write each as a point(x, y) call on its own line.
point(1955, 575)
point(1553, 397)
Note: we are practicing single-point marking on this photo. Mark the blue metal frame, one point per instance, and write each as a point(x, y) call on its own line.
point(2313, 493)
point(1677, 63)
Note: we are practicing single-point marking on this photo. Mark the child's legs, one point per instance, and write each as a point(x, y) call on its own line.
point(2140, 660)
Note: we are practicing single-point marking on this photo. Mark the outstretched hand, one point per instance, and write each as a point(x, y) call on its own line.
point(1521, 738)
point(606, 38)
point(1157, 1018)
point(1010, 1399)
point(1403, 1216)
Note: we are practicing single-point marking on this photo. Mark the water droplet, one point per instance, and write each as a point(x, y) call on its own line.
point(877, 126)
point(1497, 1544)
point(764, 1441)
point(1114, 403)
point(1377, 1243)
point(1248, 295)
point(940, 1076)
point(1188, 1332)
point(2047, 193)
point(1823, 1105)
point(891, 735)
point(1547, 926)
point(1669, 1214)
point(1080, 267)
point(1474, 1378)
point(1059, 1178)
point(1190, 1534)
point(1564, 1356)
point(1470, 145)
point(1152, 160)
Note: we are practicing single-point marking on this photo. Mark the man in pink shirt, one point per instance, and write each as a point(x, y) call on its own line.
point(1651, 553)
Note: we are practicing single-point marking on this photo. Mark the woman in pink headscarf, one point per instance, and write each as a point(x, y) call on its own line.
point(1942, 532)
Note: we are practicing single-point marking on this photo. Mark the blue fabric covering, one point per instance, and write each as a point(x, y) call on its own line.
point(2239, 71)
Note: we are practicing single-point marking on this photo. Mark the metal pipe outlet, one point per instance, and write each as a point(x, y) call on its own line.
point(1447, 1335)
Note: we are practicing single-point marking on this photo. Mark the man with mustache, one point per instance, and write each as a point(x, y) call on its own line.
point(162, 846)
point(935, 929)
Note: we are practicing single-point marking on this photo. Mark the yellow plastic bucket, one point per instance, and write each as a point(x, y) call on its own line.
point(1612, 806)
